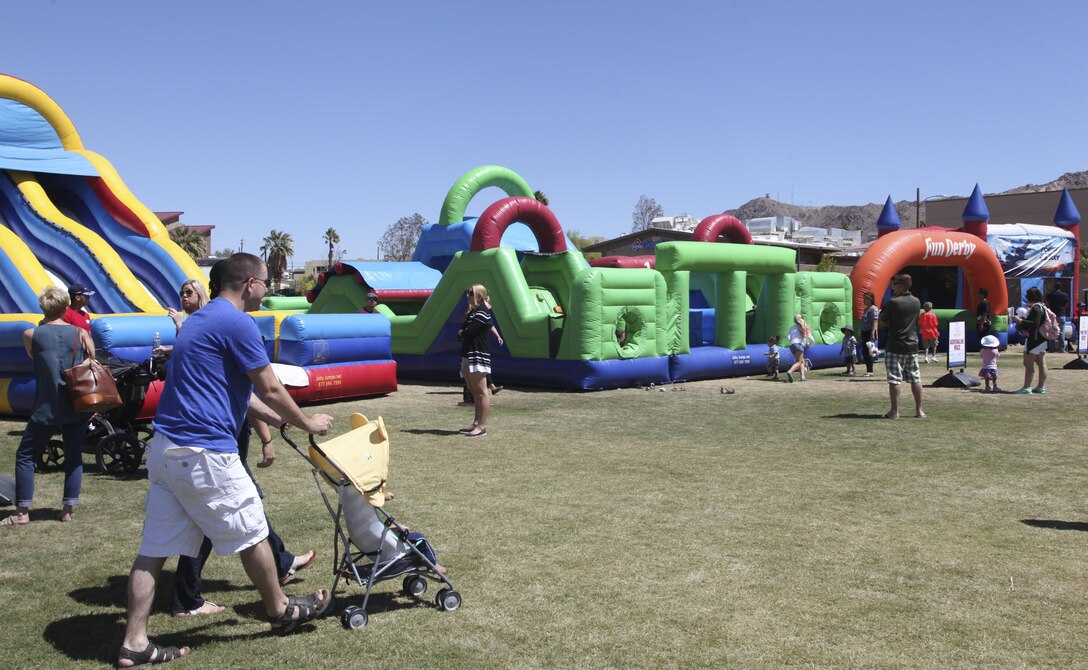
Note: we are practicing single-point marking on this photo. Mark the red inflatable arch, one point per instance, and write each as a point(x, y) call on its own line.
point(710, 228)
point(929, 246)
point(519, 209)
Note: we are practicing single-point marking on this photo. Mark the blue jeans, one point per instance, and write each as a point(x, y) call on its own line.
point(35, 439)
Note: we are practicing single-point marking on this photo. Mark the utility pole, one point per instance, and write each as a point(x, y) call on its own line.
point(917, 207)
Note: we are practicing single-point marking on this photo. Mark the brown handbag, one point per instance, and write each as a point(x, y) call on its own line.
point(90, 384)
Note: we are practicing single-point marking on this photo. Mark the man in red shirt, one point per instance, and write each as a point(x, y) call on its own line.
point(77, 312)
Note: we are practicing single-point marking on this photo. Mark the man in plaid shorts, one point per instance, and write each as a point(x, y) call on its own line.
point(900, 317)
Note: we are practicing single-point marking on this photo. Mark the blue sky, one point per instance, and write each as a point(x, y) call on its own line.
point(300, 116)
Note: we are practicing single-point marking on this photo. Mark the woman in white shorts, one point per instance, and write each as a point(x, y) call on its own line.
point(1035, 347)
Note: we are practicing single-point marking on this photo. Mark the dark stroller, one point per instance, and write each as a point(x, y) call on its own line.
point(117, 437)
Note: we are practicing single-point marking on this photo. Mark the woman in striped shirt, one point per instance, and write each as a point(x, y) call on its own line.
point(476, 356)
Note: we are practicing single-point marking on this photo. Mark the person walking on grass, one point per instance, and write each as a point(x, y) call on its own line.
point(869, 319)
point(54, 345)
point(849, 350)
point(800, 337)
point(927, 322)
point(900, 317)
point(198, 486)
point(1035, 347)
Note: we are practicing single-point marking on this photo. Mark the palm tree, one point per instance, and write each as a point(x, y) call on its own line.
point(190, 241)
point(275, 249)
point(540, 195)
point(331, 239)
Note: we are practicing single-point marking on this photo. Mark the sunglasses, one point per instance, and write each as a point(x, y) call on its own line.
point(188, 291)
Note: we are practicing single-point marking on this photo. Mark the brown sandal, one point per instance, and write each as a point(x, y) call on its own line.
point(300, 611)
point(152, 654)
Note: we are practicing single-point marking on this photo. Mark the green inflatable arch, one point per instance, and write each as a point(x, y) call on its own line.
point(476, 180)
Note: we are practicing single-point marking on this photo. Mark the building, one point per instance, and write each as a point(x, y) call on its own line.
point(1034, 208)
point(172, 221)
point(643, 243)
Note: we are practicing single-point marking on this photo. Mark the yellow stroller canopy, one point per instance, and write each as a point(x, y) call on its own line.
point(359, 456)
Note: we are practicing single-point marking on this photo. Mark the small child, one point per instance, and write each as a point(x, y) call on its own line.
point(849, 350)
point(927, 321)
point(772, 357)
point(989, 353)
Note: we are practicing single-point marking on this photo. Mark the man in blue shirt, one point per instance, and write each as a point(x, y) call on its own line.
point(198, 486)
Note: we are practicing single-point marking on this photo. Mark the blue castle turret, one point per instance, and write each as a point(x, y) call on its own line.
point(888, 222)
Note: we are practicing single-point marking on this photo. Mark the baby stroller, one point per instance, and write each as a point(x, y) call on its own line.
point(375, 548)
point(117, 437)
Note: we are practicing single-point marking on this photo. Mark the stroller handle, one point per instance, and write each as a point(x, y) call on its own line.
point(293, 444)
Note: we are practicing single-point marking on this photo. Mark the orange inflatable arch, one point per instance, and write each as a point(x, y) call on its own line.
point(889, 254)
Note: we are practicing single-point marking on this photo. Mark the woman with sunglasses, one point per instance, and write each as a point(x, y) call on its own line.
point(193, 298)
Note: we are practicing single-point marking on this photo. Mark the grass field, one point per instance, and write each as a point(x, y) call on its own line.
point(780, 526)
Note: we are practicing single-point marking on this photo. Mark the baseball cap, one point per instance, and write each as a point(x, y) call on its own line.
point(79, 289)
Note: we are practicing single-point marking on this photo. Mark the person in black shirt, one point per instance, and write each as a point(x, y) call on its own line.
point(1058, 302)
point(476, 356)
point(982, 314)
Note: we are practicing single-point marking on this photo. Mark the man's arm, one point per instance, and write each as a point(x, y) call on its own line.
point(269, 389)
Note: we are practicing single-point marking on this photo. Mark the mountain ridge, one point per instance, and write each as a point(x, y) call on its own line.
point(863, 217)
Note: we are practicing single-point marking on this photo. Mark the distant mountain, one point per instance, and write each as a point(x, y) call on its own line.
point(863, 217)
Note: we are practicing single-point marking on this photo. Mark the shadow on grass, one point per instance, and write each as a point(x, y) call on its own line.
point(114, 592)
point(382, 602)
point(430, 431)
point(1056, 524)
point(97, 637)
point(855, 415)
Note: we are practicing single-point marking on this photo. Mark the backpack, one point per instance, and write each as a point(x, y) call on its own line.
point(1049, 328)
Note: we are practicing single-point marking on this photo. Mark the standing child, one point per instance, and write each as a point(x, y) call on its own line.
point(989, 353)
point(772, 357)
point(927, 322)
point(849, 350)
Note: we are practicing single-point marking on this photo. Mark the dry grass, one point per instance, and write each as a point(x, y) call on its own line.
point(780, 526)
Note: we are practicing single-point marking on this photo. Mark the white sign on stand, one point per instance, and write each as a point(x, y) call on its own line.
point(1082, 336)
point(957, 344)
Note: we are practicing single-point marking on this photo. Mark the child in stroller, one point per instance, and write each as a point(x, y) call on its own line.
point(356, 464)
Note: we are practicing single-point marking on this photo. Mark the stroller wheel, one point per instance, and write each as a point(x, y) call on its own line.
point(447, 600)
point(119, 454)
point(51, 458)
point(414, 585)
point(353, 618)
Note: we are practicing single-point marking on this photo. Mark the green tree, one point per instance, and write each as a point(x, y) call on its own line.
point(541, 197)
point(398, 243)
point(827, 264)
point(190, 241)
point(646, 210)
point(332, 239)
point(580, 241)
point(223, 253)
point(276, 249)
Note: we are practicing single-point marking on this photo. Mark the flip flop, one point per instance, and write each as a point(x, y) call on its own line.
point(889, 415)
point(305, 564)
point(204, 610)
point(483, 431)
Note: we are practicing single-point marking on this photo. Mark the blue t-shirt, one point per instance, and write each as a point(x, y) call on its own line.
point(204, 401)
